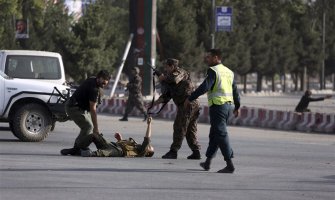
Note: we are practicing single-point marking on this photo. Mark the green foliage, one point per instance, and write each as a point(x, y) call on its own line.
point(102, 32)
point(269, 37)
point(7, 23)
point(178, 32)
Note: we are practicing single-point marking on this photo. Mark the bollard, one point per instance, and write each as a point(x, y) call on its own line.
point(314, 122)
point(250, 115)
point(280, 124)
point(291, 123)
point(258, 117)
point(277, 117)
point(243, 114)
point(112, 107)
point(306, 118)
point(330, 128)
point(325, 119)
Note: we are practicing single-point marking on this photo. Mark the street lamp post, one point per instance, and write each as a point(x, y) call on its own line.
point(213, 25)
point(323, 82)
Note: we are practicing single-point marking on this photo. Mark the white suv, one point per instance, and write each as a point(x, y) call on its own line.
point(39, 65)
point(32, 92)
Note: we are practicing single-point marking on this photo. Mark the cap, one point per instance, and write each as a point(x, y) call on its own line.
point(136, 69)
point(171, 61)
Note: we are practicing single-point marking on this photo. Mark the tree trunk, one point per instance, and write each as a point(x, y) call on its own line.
point(295, 80)
point(284, 84)
point(304, 82)
point(273, 84)
point(259, 82)
point(244, 78)
point(302, 85)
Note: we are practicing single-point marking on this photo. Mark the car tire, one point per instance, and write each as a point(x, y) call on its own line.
point(32, 123)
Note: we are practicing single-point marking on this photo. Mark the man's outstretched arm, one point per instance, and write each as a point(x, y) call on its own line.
point(146, 149)
point(148, 132)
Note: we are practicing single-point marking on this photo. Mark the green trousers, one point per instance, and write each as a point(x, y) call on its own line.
point(83, 120)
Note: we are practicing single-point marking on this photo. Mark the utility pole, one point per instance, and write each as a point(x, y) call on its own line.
point(142, 21)
point(213, 25)
point(323, 81)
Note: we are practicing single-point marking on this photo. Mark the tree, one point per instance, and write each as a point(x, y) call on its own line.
point(178, 32)
point(326, 7)
point(281, 55)
point(237, 51)
point(306, 42)
point(102, 31)
point(7, 23)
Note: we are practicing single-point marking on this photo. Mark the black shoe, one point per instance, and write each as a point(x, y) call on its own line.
point(170, 155)
point(227, 170)
point(205, 166)
point(195, 155)
point(123, 119)
point(71, 151)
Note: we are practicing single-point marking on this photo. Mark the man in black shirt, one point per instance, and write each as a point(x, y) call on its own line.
point(81, 108)
point(305, 99)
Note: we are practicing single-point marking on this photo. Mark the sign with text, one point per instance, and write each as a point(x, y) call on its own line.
point(223, 18)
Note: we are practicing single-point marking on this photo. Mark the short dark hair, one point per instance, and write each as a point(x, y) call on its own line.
point(104, 74)
point(308, 93)
point(215, 52)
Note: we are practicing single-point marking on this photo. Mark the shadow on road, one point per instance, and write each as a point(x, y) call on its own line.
point(119, 170)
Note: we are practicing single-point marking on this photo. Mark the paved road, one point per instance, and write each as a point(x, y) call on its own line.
point(269, 165)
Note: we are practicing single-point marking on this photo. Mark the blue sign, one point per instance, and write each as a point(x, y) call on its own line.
point(223, 18)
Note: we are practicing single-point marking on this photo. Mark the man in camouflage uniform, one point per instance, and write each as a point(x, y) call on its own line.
point(178, 87)
point(135, 98)
point(120, 148)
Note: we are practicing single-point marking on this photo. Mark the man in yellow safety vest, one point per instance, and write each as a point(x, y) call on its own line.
point(223, 97)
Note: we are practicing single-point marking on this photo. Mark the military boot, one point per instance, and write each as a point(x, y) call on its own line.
point(229, 168)
point(71, 151)
point(170, 155)
point(206, 165)
point(195, 155)
point(124, 119)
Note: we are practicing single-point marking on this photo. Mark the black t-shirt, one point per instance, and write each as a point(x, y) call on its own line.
point(87, 91)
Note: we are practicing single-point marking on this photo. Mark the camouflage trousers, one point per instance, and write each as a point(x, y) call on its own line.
point(185, 125)
point(135, 101)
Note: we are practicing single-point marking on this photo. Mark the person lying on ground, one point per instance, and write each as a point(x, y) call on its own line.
point(120, 148)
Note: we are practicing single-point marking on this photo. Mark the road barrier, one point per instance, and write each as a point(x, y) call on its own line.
point(253, 117)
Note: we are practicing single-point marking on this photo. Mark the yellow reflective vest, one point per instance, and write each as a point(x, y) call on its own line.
point(222, 91)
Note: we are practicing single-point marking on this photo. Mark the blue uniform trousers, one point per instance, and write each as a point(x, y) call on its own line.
point(218, 135)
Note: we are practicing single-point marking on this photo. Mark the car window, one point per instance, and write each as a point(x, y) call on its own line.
point(32, 67)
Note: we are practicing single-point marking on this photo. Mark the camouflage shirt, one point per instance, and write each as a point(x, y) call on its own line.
point(135, 86)
point(178, 86)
